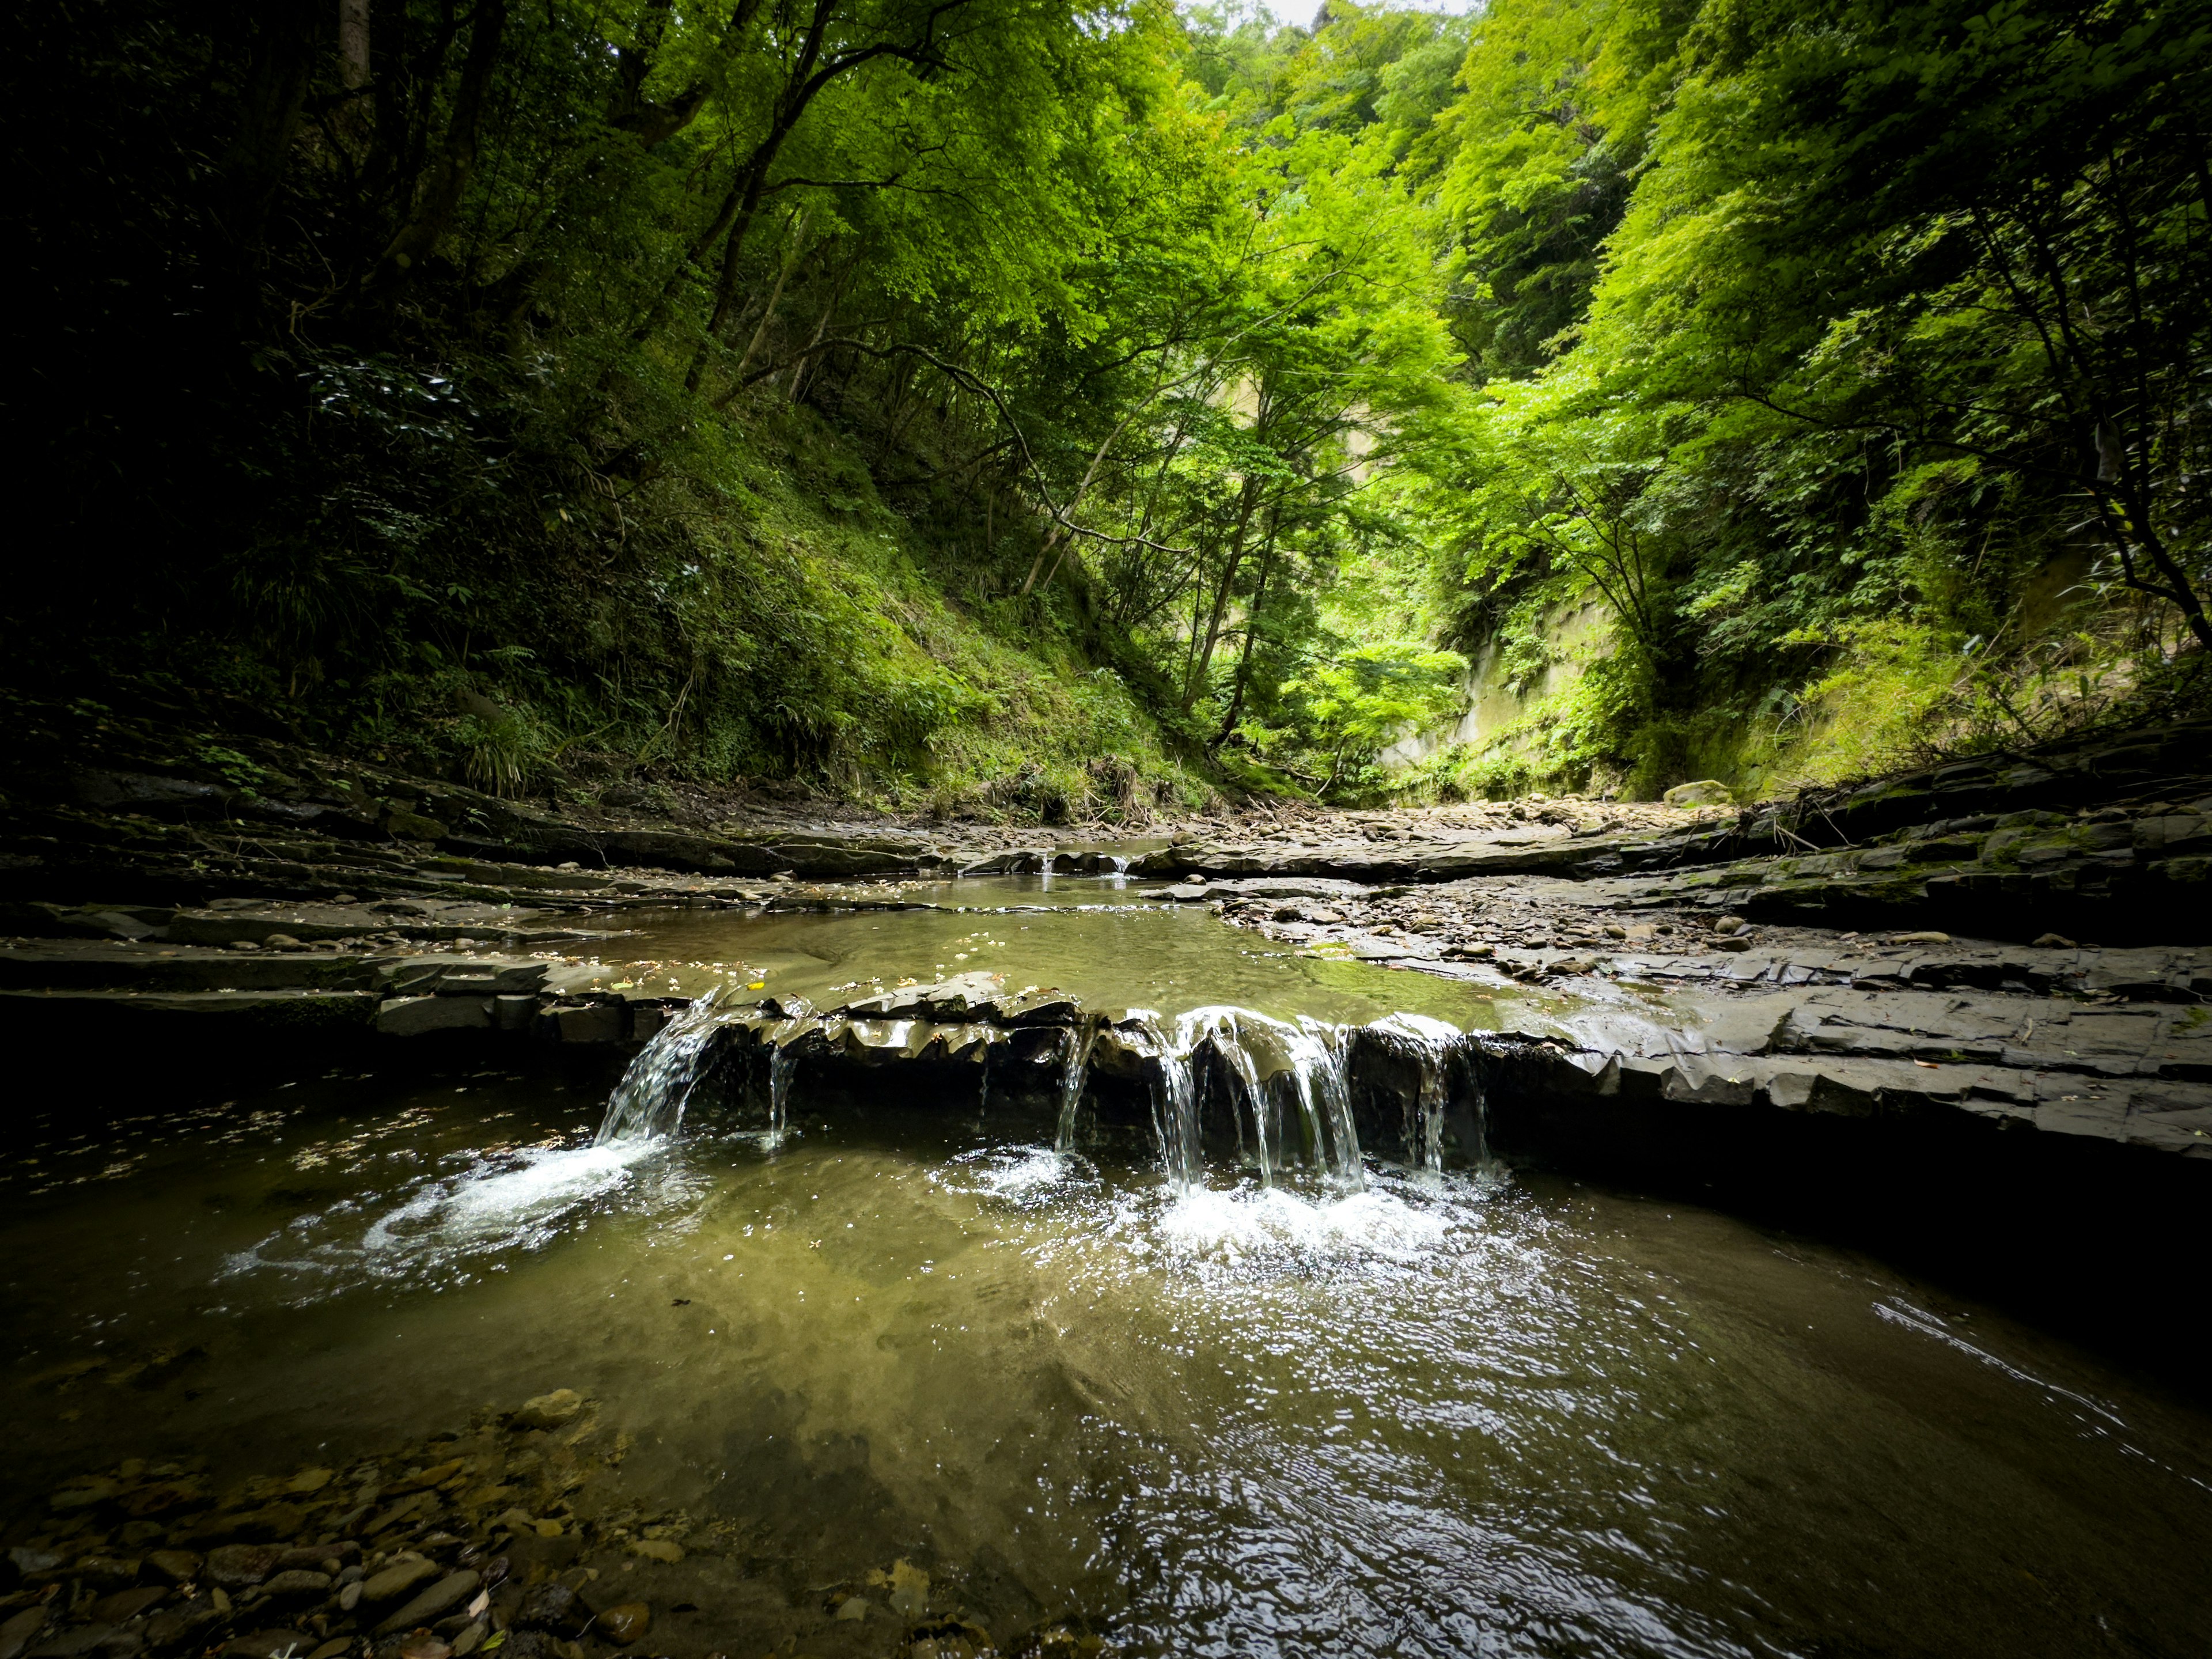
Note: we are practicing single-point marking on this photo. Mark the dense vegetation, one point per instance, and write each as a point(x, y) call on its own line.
point(1042, 409)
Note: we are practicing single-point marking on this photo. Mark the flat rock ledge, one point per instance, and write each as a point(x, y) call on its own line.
point(2137, 1074)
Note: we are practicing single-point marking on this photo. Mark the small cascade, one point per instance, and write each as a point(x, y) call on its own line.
point(782, 1063)
point(1431, 1043)
point(1324, 1085)
point(1075, 1068)
point(1118, 869)
point(1175, 1108)
point(1273, 1068)
point(649, 1101)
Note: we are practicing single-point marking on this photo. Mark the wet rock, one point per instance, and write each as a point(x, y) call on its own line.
point(397, 1578)
point(297, 1584)
point(109, 1571)
point(415, 1016)
point(71, 1643)
point(553, 1606)
point(180, 1627)
point(241, 1566)
point(405, 1509)
point(86, 1492)
point(19, 1629)
point(626, 1623)
point(123, 1606)
point(950, 1638)
point(658, 1549)
point(1706, 792)
point(422, 1479)
point(446, 1593)
point(594, 1021)
point(318, 1558)
point(1063, 1638)
point(549, 1410)
point(268, 1644)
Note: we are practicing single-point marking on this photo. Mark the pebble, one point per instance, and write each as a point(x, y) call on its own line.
point(240, 1566)
point(297, 1583)
point(626, 1623)
point(397, 1579)
point(658, 1549)
point(549, 1410)
point(448, 1592)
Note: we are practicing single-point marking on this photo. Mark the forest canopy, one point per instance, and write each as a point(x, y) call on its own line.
point(1037, 408)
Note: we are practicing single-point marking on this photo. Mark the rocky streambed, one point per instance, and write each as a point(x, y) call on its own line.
point(500, 1534)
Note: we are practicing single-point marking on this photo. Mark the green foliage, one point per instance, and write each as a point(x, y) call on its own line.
point(1038, 411)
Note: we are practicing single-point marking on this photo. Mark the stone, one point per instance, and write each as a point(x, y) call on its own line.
point(591, 1022)
point(1706, 792)
point(402, 824)
point(447, 1593)
point(1923, 938)
point(123, 1606)
point(71, 1644)
point(553, 1606)
point(297, 1584)
point(2054, 942)
point(16, 1634)
point(405, 1508)
point(414, 1015)
point(397, 1579)
point(549, 1410)
point(86, 1492)
point(422, 1479)
point(241, 1566)
point(268, 1644)
point(626, 1623)
point(109, 1571)
point(180, 1626)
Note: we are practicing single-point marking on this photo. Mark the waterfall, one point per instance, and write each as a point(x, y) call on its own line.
point(649, 1101)
point(1075, 1068)
point(1431, 1043)
point(783, 1061)
point(1256, 1051)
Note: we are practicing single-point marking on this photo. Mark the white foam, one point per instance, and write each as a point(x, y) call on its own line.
point(1249, 1221)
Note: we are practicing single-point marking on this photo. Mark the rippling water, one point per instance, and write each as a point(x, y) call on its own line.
point(1449, 1414)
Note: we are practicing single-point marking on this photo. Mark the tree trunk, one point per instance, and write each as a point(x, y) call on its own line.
point(1248, 499)
point(353, 44)
point(1251, 630)
point(441, 193)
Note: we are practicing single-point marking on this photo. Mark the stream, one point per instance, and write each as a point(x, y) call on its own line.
point(1384, 1410)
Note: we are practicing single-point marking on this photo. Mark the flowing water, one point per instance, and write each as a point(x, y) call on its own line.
point(1299, 1402)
